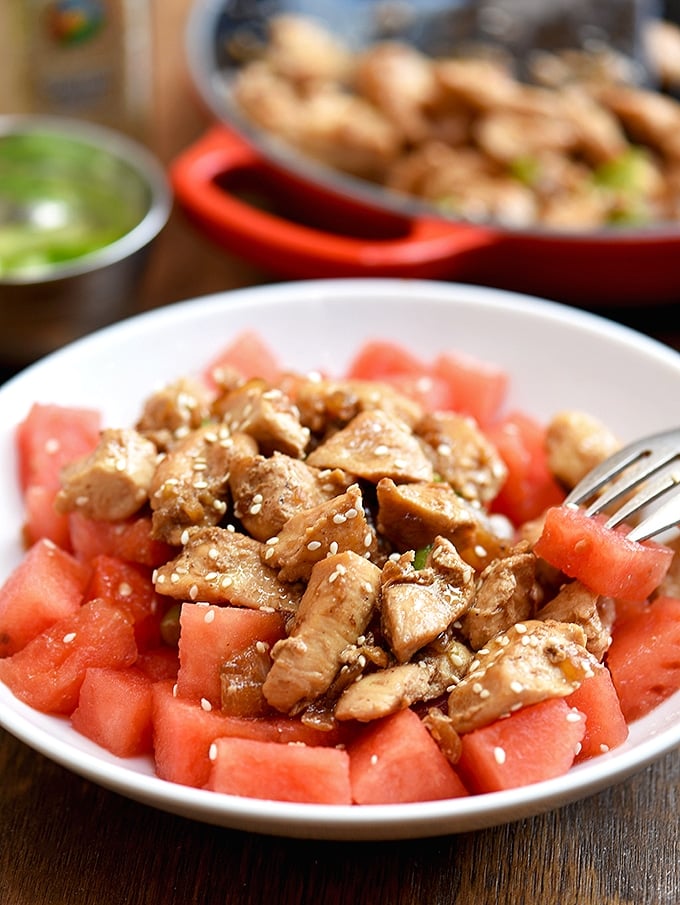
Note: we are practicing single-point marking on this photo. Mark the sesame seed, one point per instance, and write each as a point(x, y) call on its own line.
point(368, 540)
point(227, 581)
point(499, 755)
point(313, 545)
point(272, 541)
point(212, 751)
point(269, 552)
point(484, 694)
point(339, 518)
point(444, 449)
point(124, 589)
point(52, 446)
point(159, 579)
point(351, 513)
point(604, 748)
point(380, 450)
point(255, 509)
point(209, 616)
point(333, 549)
point(200, 485)
point(577, 749)
point(205, 704)
point(69, 637)
point(374, 759)
point(193, 591)
point(184, 538)
point(174, 577)
point(477, 688)
point(516, 686)
point(261, 646)
point(399, 463)
point(573, 716)
point(174, 690)
point(520, 628)
point(213, 553)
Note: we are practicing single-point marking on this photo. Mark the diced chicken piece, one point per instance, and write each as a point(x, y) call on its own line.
point(267, 491)
point(335, 526)
point(377, 694)
point(417, 605)
point(372, 446)
point(532, 661)
point(190, 484)
point(441, 729)
point(221, 566)
point(598, 133)
point(267, 415)
point(412, 515)
point(401, 82)
point(171, 412)
point(111, 483)
point(436, 170)
point(479, 83)
point(269, 101)
point(662, 44)
point(578, 604)
point(507, 592)
point(301, 50)
point(334, 612)
point(507, 136)
point(575, 443)
point(649, 117)
point(326, 405)
point(462, 455)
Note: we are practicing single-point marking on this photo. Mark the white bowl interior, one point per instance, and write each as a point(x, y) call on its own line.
point(558, 357)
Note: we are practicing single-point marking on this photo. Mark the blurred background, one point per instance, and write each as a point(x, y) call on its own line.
point(123, 63)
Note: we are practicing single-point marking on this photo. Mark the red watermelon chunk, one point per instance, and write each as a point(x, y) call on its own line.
point(46, 586)
point(249, 355)
point(209, 635)
point(302, 773)
point(47, 673)
point(184, 731)
point(395, 759)
point(114, 710)
point(129, 586)
point(532, 745)
point(603, 558)
point(644, 657)
point(130, 540)
point(606, 727)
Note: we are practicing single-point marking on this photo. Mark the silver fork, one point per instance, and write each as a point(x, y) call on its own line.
point(651, 467)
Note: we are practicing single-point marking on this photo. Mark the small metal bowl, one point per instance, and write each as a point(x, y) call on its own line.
point(74, 179)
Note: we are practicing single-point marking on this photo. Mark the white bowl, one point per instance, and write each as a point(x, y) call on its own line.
point(558, 357)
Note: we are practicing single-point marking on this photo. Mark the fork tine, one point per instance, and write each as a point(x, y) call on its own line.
point(654, 452)
point(665, 516)
point(648, 494)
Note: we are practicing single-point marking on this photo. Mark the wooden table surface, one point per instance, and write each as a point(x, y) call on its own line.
point(66, 841)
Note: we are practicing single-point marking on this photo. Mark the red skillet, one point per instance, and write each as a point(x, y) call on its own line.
point(298, 220)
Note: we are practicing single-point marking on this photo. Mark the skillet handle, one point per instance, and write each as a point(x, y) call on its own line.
point(419, 247)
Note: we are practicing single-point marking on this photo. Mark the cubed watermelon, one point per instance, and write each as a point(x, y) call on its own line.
point(247, 354)
point(114, 710)
point(209, 635)
point(276, 772)
point(47, 673)
point(477, 388)
point(534, 744)
point(184, 731)
point(130, 540)
point(529, 488)
point(602, 558)
point(644, 657)
point(129, 586)
point(606, 727)
point(396, 759)
point(46, 586)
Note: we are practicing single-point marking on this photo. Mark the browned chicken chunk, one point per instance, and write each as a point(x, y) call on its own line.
point(578, 604)
point(462, 455)
point(267, 491)
point(372, 446)
point(508, 592)
point(419, 604)
point(190, 485)
point(326, 405)
point(332, 527)
point(530, 662)
point(221, 566)
point(334, 612)
point(170, 413)
point(267, 415)
point(575, 443)
point(112, 483)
